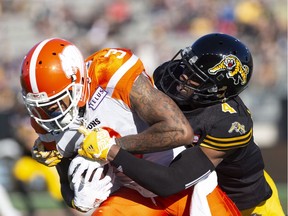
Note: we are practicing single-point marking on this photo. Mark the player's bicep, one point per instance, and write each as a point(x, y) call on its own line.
point(228, 133)
point(214, 156)
point(151, 104)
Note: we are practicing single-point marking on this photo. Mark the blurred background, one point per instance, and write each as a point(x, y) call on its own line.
point(155, 30)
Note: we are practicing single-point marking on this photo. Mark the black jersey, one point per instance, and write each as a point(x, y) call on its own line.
point(229, 126)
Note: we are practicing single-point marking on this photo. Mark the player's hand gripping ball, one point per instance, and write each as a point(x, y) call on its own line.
point(96, 143)
point(91, 182)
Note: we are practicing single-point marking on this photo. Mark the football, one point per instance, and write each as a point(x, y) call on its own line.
point(104, 172)
point(79, 167)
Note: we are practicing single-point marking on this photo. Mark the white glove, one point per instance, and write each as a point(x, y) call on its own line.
point(85, 180)
point(47, 157)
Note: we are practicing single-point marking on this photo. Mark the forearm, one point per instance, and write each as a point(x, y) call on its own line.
point(66, 192)
point(185, 171)
point(152, 140)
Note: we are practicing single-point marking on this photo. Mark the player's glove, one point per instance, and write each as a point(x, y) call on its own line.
point(91, 187)
point(96, 143)
point(47, 157)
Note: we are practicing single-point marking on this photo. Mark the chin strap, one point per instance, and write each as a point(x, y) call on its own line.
point(82, 111)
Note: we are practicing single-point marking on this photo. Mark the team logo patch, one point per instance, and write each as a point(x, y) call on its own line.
point(238, 128)
point(233, 65)
point(98, 96)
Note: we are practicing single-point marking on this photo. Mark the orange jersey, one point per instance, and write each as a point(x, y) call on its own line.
point(112, 73)
point(115, 70)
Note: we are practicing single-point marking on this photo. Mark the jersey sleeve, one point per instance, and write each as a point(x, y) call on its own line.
point(186, 170)
point(228, 133)
point(66, 142)
point(115, 70)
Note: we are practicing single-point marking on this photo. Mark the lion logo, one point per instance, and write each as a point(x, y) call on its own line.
point(236, 70)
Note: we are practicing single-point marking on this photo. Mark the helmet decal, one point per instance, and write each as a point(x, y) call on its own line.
point(71, 61)
point(214, 69)
point(235, 69)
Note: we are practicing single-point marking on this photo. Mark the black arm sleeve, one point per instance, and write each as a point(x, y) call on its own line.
point(67, 193)
point(185, 170)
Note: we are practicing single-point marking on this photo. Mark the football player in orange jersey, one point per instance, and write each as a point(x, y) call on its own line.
point(205, 80)
point(110, 90)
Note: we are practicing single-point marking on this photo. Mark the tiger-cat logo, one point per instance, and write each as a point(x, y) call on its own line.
point(238, 128)
point(233, 65)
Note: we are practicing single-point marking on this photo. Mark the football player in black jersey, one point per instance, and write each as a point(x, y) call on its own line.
point(205, 80)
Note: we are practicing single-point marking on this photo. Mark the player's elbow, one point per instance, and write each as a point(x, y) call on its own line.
point(165, 191)
point(163, 182)
point(187, 134)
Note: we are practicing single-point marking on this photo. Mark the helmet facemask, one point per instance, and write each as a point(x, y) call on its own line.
point(52, 113)
point(215, 68)
point(196, 86)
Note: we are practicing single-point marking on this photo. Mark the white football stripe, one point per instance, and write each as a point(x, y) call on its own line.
point(32, 68)
point(120, 72)
point(204, 176)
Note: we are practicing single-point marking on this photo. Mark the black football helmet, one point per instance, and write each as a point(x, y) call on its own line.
point(215, 68)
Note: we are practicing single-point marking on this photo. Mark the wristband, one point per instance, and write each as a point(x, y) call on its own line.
point(75, 207)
